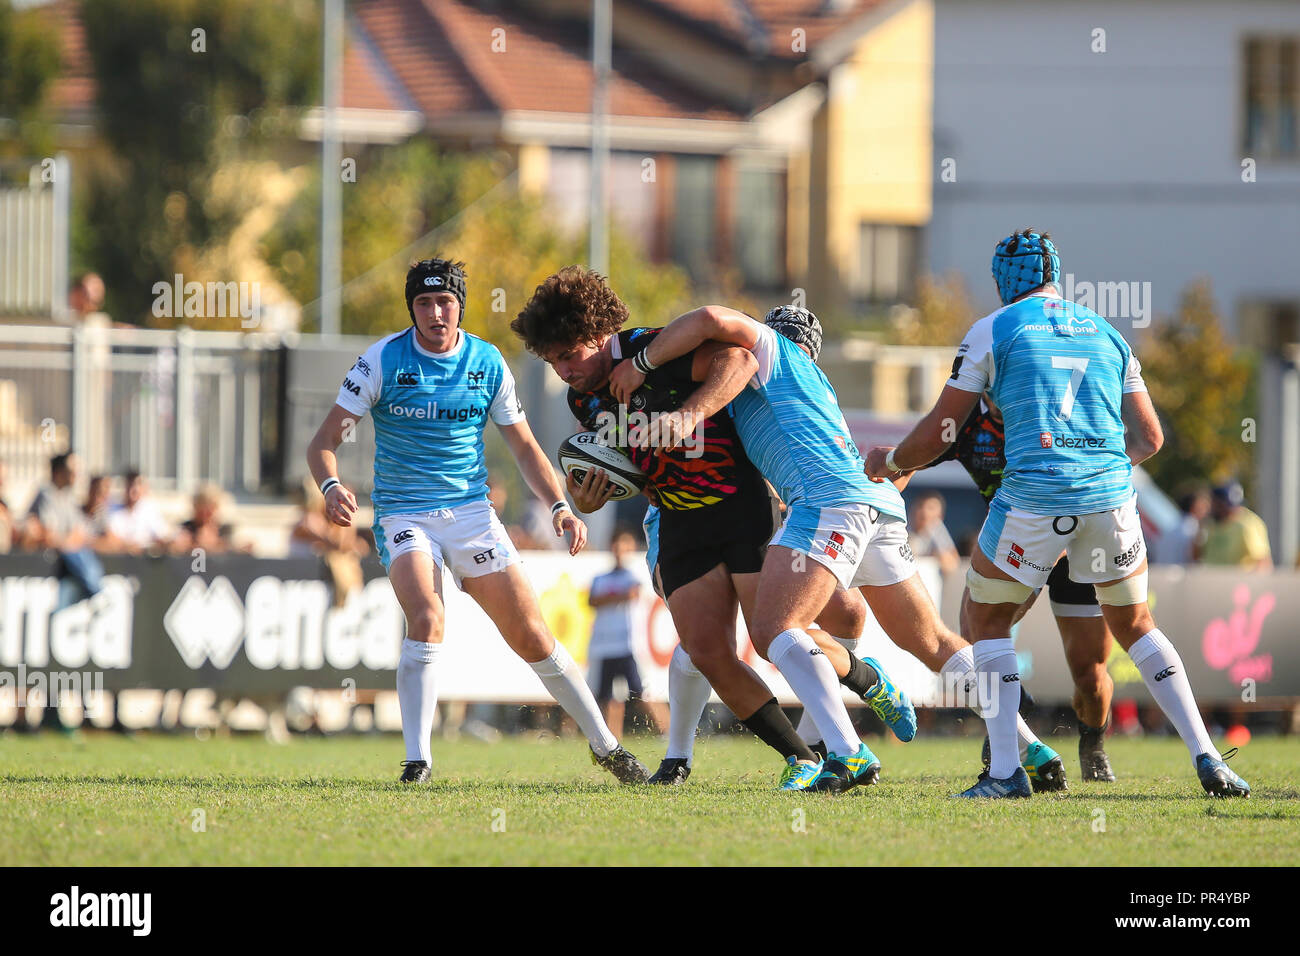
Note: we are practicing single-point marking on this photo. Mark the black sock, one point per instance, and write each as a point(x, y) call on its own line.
point(819, 749)
point(770, 725)
point(861, 676)
point(1098, 732)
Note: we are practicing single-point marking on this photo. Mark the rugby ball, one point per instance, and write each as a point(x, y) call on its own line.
point(584, 451)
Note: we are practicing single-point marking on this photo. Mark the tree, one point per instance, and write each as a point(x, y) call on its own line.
point(412, 201)
point(184, 89)
point(29, 62)
point(942, 316)
point(1200, 384)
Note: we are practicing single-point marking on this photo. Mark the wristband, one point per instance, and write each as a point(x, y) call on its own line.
point(891, 464)
point(558, 507)
point(327, 484)
point(641, 362)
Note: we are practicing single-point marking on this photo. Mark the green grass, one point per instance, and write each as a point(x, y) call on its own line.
point(104, 800)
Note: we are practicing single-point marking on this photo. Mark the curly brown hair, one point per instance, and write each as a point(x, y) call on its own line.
point(573, 305)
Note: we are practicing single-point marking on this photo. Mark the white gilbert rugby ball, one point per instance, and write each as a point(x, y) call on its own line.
point(581, 452)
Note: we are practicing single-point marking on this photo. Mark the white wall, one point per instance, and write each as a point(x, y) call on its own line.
point(1131, 158)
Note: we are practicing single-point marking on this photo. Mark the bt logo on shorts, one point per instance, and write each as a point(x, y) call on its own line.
point(1168, 671)
point(483, 557)
point(403, 536)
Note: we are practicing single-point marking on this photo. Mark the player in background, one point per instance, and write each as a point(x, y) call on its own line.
point(841, 529)
point(1068, 386)
point(715, 515)
point(614, 596)
point(980, 449)
point(431, 389)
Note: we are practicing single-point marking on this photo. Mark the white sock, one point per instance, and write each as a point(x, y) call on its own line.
point(807, 729)
point(688, 693)
point(560, 676)
point(1162, 670)
point(959, 671)
point(995, 660)
point(810, 675)
point(417, 696)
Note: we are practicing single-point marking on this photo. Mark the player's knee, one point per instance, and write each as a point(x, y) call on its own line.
point(844, 617)
point(1091, 680)
point(425, 625)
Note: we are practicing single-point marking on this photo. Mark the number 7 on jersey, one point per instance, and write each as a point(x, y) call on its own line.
point(1077, 367)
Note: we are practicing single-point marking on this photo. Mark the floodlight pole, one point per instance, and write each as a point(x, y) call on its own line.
point(601, 58)
point(331, 193)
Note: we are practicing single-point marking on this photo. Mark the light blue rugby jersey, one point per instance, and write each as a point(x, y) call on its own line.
point(429, 411)
point(1059, 372)
point(792, 428)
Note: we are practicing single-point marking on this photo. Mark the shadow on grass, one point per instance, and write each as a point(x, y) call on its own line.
point(266, 784)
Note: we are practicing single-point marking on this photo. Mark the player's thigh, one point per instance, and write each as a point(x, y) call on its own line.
point(507, 597)
point(845, 614)
point(791, 593)
point(814, 551)
point(704, 613)
point(907, 614)
point(417, 583)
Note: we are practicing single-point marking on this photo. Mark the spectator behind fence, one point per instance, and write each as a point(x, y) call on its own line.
point(137, 523)
point(96, 511)
point(341, 548)
point(1238, 536)
point(55, 519)
point(927, 534)
point(204, 528)
point(1182, 544)
point(8, 533)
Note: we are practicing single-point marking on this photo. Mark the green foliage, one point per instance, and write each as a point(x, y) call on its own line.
point(942, 316)
point(1201, 384)
point(29, 62)
point(412, 201)
point(184, 87)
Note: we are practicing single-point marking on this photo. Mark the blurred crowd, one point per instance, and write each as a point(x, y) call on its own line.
point(1214, 527)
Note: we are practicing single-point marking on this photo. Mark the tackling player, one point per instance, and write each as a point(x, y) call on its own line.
point(841, 528)
point(715, 514)
point(1068, 386)
point(431, 389)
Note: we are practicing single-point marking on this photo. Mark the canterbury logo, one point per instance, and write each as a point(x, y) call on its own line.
point(814, 652)
point(1010, 678)
point(1165, 673)
point(407, 378)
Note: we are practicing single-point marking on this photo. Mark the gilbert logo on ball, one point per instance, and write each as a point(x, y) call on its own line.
point(581, 453)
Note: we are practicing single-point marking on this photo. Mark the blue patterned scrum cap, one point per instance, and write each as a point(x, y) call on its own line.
point(1022, 262)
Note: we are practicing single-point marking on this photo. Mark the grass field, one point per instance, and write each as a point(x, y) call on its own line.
point(105, 800)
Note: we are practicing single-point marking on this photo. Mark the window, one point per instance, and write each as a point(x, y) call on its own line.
point(760, 227)
point(1272, 88)
point(694, 214)
point(887, 262)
